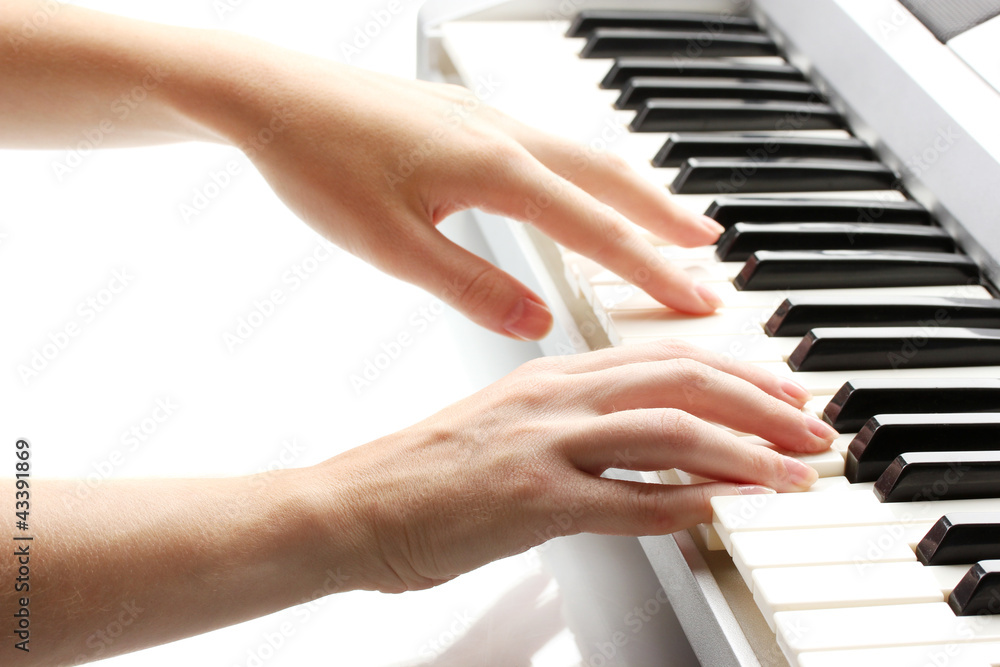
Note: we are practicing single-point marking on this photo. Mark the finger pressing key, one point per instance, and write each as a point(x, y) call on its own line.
point(667, 438)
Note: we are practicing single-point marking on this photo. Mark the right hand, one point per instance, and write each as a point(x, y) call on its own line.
point(486, 477)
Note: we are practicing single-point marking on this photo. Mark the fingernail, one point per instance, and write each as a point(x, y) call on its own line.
point(752, 490)
point(799, 473)
point(820, 429)
point(710, 298)
point(795, 391)
point(528, 320)
point(712, 225)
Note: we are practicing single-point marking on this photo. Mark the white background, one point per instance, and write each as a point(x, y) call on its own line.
point(282, 398)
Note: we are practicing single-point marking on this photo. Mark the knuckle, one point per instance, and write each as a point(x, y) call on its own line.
point(678, 428)
point(614, 162)
point(479, 291)
point(614, 234)
point(696, 378)
point(647, 506)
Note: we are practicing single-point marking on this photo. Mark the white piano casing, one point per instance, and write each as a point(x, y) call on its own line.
point(934, 123)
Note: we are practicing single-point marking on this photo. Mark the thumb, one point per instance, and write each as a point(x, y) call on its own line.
point(486, 295)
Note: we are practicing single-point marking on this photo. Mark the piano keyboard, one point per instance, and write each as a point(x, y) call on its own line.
point(830, 274)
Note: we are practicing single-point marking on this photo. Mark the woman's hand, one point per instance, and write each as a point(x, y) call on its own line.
point(521, 461)
point(374, 163)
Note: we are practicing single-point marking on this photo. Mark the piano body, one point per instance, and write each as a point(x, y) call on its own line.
point(852, 150)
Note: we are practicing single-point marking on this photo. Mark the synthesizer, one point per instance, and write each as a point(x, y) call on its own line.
point(850, 149)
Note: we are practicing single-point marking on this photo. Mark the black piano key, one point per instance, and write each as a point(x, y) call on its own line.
point(680, 147)
point(886, 436)
point(640, 89)
point(889, 348)
point(712, 175)
point(797, 315)
point(626, 69)
point(961, 537)
point(843, 269)
point(926, 476)
point(978, 592)
point(859, 400)
point(619, 42)
point(589, 20)
point(743, 239)
point(733, 116)
point(729, 210)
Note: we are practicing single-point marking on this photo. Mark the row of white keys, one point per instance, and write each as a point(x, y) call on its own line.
point(859, 507)
point(783, 588)
point(973, 654)
point(803, 587)
point(847, 628)
point(857, 546)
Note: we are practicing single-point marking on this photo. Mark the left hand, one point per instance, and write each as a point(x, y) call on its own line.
point(374, 163)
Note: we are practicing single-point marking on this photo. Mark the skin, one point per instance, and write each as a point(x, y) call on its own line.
point(488, 477)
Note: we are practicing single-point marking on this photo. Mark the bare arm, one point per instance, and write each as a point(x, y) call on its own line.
point(158, 560)
point(330, 139)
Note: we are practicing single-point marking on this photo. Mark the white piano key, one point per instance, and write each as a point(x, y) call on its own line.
point(623, 296)
point(855, 545)
point(848, 585)
point(824, 484)
point(700, 270)
point(872, 627)
point(977, 654)
point(817, 404)
point(815, 510)
point(842, 442)
point(827, 382)
point(652, 323)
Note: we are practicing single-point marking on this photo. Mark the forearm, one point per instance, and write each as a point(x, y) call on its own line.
point(143, 562)
point(74, 71)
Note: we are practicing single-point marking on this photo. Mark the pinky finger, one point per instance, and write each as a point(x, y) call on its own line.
point(618, 507)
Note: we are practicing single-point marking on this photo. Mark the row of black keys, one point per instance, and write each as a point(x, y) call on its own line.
point(899, 450)
point(902, 429)
point(836, 244)
point(685, 94)
point(840, 333)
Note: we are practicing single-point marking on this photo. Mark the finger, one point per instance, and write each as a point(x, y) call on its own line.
point(485, 294)
point(615, 507)
point(575, 219)
point(711, 394)
point(667, 438)
point(611, 180)
point(787, 390)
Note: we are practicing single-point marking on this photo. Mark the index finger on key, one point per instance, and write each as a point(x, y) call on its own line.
point(782, 388)
point(711, 394)
point(577, 220)
point(612, 180)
